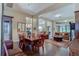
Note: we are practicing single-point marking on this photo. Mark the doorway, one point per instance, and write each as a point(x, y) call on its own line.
point(6, 28)
point(6, 31)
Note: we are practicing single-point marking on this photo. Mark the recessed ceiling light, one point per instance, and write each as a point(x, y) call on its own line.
point(57, 15)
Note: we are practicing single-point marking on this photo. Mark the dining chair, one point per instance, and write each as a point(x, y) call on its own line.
point(39, 43)
point(66, 36)
point(22, 42)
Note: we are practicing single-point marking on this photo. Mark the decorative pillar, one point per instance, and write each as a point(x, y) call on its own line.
point(0, 25)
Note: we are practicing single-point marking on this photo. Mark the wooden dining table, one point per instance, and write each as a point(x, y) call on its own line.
point(32, 41)
point(32, 38)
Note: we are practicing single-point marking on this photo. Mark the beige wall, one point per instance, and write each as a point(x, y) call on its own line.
point(77, 7)
point(0, 25)
point(18, 17)
point(77, 16)
point(77, 13)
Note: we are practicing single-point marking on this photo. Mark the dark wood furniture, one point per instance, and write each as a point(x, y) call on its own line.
point(22, 42)
point(33, 43)
point(59, 39)
point(61, 35)
point(66, 36)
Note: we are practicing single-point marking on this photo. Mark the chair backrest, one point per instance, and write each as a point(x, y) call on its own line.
point(46, 36)
point(33, 35)
point(42, 36)
point(21, 37)
point(66, 36)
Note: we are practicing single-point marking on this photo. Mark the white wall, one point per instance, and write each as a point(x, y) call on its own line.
point(0, 25)
point(18, 17)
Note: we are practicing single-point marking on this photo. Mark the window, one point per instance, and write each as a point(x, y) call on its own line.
point(28, 25)
point(41, 25)
point(63, 28)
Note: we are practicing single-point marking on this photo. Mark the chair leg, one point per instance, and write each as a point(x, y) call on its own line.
point(19, 45)
point(36, 49)
point(43, 49)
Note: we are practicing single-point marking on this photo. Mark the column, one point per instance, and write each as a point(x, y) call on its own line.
point(0, 25)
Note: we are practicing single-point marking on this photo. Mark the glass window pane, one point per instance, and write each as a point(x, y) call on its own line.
point(41, 24)
point(64, 29)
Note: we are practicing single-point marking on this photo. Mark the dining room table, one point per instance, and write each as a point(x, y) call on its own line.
point(32, 38)
point(32, 41)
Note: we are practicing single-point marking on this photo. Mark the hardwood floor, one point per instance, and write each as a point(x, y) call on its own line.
point(50, 49)
point(53, 48)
